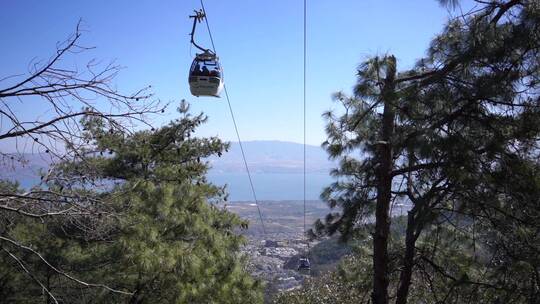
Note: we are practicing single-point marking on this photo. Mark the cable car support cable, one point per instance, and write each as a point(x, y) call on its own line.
point(235, 125)
point(304, 264)
point(304, 97)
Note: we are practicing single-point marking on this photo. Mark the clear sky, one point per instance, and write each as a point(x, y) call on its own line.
point(259, 43)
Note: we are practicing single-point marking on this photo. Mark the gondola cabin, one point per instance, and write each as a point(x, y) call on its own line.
point(303, 265)
point(206, 75)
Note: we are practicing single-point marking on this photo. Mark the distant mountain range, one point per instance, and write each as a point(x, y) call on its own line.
point(272, 157)
point(262, 156)
point(24, 168)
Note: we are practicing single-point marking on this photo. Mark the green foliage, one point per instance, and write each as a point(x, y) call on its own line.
point(158, 236)
point(465, 158)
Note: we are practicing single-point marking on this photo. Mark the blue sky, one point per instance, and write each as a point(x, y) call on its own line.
point(259, 43)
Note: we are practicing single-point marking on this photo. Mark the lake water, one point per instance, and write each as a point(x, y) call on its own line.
point(272, 186)
point(268, 186)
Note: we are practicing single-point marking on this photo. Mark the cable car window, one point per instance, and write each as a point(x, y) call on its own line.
point(212, 63)
point(205, 68)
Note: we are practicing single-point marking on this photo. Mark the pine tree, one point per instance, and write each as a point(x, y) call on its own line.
point(162, 237)
point(465, 114)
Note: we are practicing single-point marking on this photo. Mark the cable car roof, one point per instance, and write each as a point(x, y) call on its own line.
point(206, 56)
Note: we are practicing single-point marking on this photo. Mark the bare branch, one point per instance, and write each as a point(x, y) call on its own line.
point(65, 95)
point(61, 272)
point(33, 277)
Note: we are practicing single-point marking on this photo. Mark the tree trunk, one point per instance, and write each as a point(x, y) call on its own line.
point(410, 240)
point(384, 188)
point(408, 259)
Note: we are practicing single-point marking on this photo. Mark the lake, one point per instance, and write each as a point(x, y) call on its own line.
point(272, 186)
point(268, 186)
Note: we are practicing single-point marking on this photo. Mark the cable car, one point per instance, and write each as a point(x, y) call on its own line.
point(304, 265)
point(205, 75)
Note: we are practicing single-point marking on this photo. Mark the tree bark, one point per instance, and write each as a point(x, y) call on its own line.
point(384, 188)
point(408, 259)
point(410, 238)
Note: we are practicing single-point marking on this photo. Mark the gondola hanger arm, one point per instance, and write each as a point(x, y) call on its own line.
point(198, 18)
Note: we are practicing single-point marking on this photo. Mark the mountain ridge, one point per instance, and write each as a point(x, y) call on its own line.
point(272, 156)
point(262, 156)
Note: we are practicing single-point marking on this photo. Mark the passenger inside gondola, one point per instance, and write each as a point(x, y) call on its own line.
point(197, 70)
point(205, 71)
point(215, 72)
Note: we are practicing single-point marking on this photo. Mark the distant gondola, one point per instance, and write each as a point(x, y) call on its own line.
point(303, 265)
